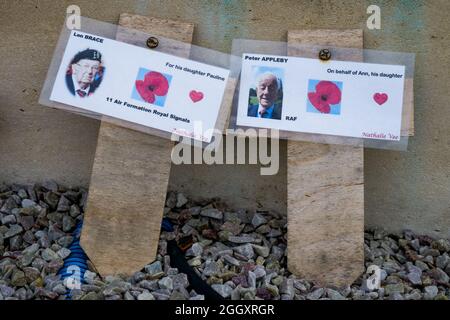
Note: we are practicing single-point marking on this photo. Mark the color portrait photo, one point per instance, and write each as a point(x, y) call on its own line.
point(84, 73)
point(266, 94)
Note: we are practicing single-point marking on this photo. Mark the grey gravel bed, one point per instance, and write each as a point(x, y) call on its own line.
point(240, 254)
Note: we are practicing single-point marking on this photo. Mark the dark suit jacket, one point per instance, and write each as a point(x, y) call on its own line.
point(276, 113)
point(71, 86)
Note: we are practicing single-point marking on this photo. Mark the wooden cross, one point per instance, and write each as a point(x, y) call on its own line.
point(131, 171)
point(325, 203)
point(129, 180)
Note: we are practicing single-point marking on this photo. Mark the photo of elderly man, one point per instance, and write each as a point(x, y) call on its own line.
point(84, 73)
point(265, 101)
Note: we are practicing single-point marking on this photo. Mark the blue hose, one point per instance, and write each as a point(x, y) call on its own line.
point(75, 265)
point(166, 225)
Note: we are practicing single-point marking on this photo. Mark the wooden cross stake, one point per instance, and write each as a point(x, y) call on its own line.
point(129, 181)
point(325, 202)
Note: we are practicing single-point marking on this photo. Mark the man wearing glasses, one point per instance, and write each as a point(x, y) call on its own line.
point(84, 73)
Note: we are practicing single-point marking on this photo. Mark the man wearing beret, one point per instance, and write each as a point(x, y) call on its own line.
point(267, 94)
point(84, 73)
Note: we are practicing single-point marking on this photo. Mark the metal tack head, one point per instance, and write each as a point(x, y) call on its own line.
point(152, 42)
point(324, 55)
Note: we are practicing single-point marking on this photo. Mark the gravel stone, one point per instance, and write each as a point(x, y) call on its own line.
point(28, 203)
point(6, 291)
point(154, 269)
point(259, 272)
point(222, 289)
point(195, 251)
point(68, 223)
point(63, 253)
point(51, 199)
point(258, 220)
point(442, 245)
point(150, 285)
point(181, 200)
point(9, 219)
point(251, 279)
point(440, 276)
point(246, 250)
point(422, 265)
point(63, 204)
point(195, 262)
point(414, 278)
point(180, 281)
point(243, 239)
point(13, 230)
point(316, 294)
point(273, 290)
point(18, 278)
point(335, 295)
point(231, 260)
point(414, 295)
point(50, 185)
point(74, 211)
point(442, 261)
point(211, 268)
point(49, 255)
point(15, 243)
point(166, 283)
point(430, 292)
point(392, 288)
point(212, 213)
point(27, 222)
point(261, 250)
point(171, 200)
point(59, 289)
point(146, 296)
point(287, 288)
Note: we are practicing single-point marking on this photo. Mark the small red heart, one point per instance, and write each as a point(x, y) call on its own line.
point(196, 96)
point(380, 98)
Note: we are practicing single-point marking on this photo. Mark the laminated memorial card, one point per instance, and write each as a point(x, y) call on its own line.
point(336, 98)
point(140, 86)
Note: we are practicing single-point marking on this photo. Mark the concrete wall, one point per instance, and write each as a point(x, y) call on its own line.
point(402, 189)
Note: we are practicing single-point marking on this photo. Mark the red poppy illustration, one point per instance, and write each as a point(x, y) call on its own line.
point(154, 84)
point(326, 93)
